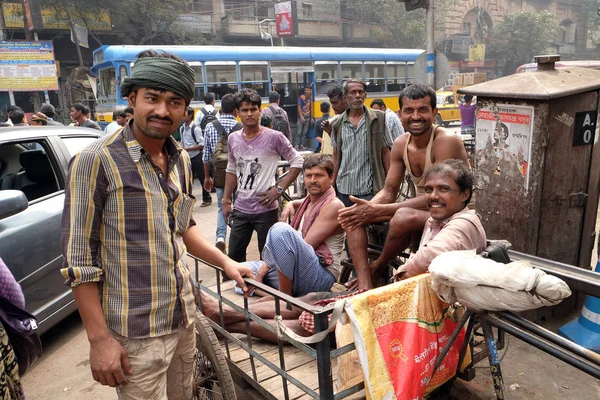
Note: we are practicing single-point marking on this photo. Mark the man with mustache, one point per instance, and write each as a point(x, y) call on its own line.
point(253, 155)
point(127, 225)
point(304, 256)
point(413, 153)
point(451, 225)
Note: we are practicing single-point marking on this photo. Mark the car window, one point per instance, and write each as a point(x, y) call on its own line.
point(450, 100)
point(28, 168)
point(75, 144)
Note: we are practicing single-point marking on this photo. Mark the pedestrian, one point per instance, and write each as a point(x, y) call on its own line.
point(17, 117)
point(208, 113)
point(118, 122)
point(338, 103)
point(128, 113)
point(278, 115)
point(325, 109)
point(254, 153)
point(215, 159)
point(38, 119)
point(361, 146)
point(305, 117)
point(266, 121)
point(467, 116)
point(127, 225)
point(49, 111)
point(192, 140)
point(10, 380)
point(9, 111)
point(78, 115)
point(392, 120)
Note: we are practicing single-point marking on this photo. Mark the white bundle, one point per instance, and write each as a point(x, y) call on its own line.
point(483, 284)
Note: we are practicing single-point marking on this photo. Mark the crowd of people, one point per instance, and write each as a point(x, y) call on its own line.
point(128, 215)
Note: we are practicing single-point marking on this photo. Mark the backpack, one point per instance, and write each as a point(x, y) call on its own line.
point(219, 157)
point(181, 129)
point(279, 122)
point(208, 117)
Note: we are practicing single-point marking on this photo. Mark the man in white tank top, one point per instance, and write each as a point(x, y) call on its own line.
point(412, 154)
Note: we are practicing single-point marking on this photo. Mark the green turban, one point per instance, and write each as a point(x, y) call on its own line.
point(161, 73)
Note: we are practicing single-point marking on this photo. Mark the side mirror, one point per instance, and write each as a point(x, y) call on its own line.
point(12, 202)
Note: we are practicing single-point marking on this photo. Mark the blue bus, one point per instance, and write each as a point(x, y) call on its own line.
point(228, 69)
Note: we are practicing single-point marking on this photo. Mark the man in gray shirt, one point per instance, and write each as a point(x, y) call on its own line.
point(77, 114)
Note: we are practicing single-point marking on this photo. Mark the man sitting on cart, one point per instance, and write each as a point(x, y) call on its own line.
point(413, 153)
point(304, 256)
point(451, 226)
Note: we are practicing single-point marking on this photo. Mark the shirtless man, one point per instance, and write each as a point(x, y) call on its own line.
point(413, 153)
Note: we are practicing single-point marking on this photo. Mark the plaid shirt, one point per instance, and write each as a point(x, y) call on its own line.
point(122, 227)
point(211, 136)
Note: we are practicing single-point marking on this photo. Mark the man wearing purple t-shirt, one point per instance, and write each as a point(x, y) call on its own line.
point(467, 116)
point(253, 156)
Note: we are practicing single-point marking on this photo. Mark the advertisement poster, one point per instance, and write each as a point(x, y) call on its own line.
point(27, 66)
point(284, 19)
point(477, 55)
point(509, 128)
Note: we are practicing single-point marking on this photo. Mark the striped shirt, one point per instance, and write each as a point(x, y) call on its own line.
point(122, 227)
point(355, 174)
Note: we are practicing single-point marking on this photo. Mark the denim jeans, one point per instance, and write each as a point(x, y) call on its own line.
point(221, 224)
point(301, 129)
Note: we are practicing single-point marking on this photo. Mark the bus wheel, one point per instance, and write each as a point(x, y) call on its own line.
point(212, 378)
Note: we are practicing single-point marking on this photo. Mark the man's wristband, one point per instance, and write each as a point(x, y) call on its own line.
point(226, 201)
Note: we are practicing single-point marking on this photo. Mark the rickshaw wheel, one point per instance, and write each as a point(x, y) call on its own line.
point(212, 378)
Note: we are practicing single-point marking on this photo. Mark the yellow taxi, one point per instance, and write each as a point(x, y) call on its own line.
point(447, 106)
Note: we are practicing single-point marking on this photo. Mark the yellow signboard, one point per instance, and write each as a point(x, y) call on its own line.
point(27, 66)
point(477, 54)
point(53, 19)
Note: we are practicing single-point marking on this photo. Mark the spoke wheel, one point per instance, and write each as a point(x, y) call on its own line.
point(212, 378)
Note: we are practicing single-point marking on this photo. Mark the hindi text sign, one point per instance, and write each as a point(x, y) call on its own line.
point(27, 66)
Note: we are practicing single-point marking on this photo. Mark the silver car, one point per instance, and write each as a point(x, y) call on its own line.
point(33, 167)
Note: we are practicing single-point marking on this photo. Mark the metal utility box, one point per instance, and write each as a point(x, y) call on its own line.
point(538, 160)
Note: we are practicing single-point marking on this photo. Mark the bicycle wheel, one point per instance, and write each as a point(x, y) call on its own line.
point(212, 378)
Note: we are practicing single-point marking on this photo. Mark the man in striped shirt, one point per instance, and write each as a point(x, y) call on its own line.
point(127, 224)
point(361, 146)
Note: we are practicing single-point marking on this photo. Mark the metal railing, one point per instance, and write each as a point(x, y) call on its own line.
point(322, 352)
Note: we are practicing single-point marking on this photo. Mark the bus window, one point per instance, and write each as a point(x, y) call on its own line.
point(255, 76)
point(199, 88)
point(326, 75)
point(396, 75)
point(221, 78)
point(107, 84)
point(375, 77)
point(351, 69)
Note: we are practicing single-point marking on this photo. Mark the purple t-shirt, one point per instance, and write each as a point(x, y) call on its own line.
point(467, 114)
point(254, 163)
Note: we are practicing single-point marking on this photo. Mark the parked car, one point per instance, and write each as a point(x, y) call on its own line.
point(33, 167)
point(447, 106)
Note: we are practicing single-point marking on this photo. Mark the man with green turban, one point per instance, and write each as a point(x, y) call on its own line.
point(127, 225)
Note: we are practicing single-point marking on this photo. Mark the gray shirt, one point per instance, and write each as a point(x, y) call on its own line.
point(187, 139)
point(90, 124)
